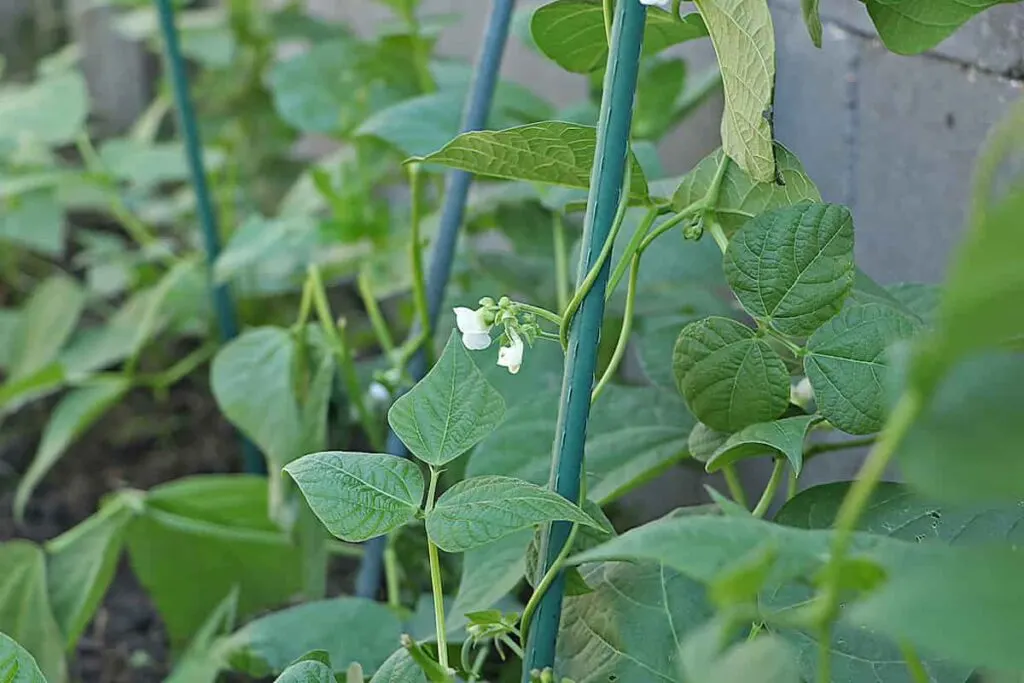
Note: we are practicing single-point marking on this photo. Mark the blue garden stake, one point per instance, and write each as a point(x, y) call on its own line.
point(606, 181)
point(222, 304)
point(475, 118)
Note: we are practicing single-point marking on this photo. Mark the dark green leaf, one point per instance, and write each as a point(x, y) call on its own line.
point(449, 411)
point(553, 152)
point(730, 378)
point(77, 411)
point(400, 667)
point(221, 523)
point(480, 510)
point(704, 441)
point(307, 672)
point(919, 298)
point(81, 564)
point(909, 27)
point(847, 366)
point(16, 664)
point(572, 33)
point(25, 613)
point(348, 629)
point(793, 267)
point(740, 197)
point(812, 17)
point(781, 437)
point(586, 538)
point(490, 572)
point(358, 496)
point(744, 40)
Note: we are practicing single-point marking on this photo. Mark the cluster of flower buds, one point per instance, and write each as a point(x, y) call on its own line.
point(518, 328)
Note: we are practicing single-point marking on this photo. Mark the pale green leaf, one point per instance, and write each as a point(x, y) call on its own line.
point(966, 443)
point(633, 435)
point(81, 564)
point(347, 629)
point(629, 628)
point(400, 667)
point(812, 17)
point(16, 393)
point(51, 111)
point(9, 322)
point(919, 298)
point(25, 613)
point(740, 197)
point(782, 437)
point(480, 510)
point(490, 572)
point(909, 27)
point(793, 267)
point(744, 41)
point(572, 33)
point(34, 220)
point(766, 659)
point(847, 365)
point(704, 441)
point(358, 496)
point(730, 378)
point(251, 378)
point(16, 664)
point(867, 291)
point(967, 604)
point(278, 247)
point(77, 411)
point(202, 661)
point(147, 164)
point(553, 152)
point(586, 538)
point(307, 671)
point(449, 411)
point(222, 521)
point(47, 320)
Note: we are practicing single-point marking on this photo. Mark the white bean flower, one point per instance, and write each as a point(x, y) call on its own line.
point(511, 356)
point(661, 4)
point(476, 333)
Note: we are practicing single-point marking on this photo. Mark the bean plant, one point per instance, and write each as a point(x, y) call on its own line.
point(846, 582)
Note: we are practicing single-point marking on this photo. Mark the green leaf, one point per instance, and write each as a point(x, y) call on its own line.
point(766, 659)
point(16, 393)
point(553, 152)
point(659, 87)
point(251, 379)
point(449, 411)
point(47, 320)
point(400, 667)
point(202, 661)
point(793, 267)
point(35, 220)
point(51, 111)
point(633, 434)
point(279, 247)
point(704, 442)
point(847, 366)
point(965, 604)
point(491, 571)
point(480, 510)
point(146, 164)
point(25, 613)
point(783, 437)
point(909, 27)
point(9, 322)
point(740, 197)
point(221, 523)
point(966, 443)
point(730, 378)
point(16, 664)
point(81, 564)
point(269, 644)
point(586, 538)
point(572, 33)
point(812, 17)
point(744, 40)
point(78, 410)
point(307, 672)
point(919, 298)
point(359, 496)
point(629, 627)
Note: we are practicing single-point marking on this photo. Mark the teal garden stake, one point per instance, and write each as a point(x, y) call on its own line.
point(222, 305)
point(606, 183)
point(456, 191)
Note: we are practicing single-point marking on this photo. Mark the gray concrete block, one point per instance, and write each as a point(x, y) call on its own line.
point(921, 124)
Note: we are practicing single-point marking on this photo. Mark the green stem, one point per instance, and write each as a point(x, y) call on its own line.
point(609, 10)
point(769, 491)
point(914, 664)
point(794, 348)
point(627, 326)
point(631, 248)
point(561, 263)
point(711, 196)
point(335, 335)
point(819, 448)
point(794, 481)
point(380, 325)
point(825, 653)
point(545, 583)
point(435, 578)
point(182, 368)
point(541, 312)
point(719, 236)
point(588, 281)
point(419, 285)
point(732, 481)
point(690, 211)
point(391, 571)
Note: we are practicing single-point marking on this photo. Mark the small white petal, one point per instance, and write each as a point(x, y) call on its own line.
point(476, 341)
point(511, 356)
point(378, 392)
point(469, 321)
point(662, 4)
